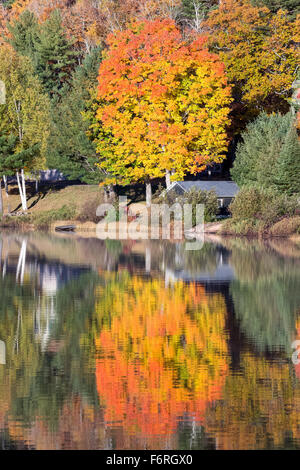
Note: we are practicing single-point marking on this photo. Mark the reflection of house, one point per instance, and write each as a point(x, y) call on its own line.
point(225, 190)
point(52, 277)
point(221, 273)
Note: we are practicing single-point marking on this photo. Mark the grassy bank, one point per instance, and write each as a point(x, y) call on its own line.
point(76, 204)
point(55, 203)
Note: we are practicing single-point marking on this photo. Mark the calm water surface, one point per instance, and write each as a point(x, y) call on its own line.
point(144, 345)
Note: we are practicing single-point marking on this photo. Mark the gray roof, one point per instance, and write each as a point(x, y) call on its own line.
point(222, 188)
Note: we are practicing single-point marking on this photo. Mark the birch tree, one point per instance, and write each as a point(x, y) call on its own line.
point(25, 115)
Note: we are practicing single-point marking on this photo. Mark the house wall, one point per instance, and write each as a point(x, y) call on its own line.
point(225, 201)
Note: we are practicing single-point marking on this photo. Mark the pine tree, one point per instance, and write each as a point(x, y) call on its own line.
point(69, 148)
point(24, 34)
point(288, 165)
point(51, 52)
point(54, 57)
point(259, 149)
point(293, 6)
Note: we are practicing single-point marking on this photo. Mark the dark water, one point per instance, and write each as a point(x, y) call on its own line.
point(144, 345)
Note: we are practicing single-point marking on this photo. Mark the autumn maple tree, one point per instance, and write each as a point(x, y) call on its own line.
point(163, 104)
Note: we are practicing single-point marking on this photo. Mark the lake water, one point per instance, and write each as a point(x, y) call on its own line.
point(145, 345)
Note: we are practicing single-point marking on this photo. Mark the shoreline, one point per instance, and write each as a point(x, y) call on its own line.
point(90, 228)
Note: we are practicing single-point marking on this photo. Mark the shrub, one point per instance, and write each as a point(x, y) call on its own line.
point(243, 227)
point(247, 203)
point(208, 198)
point(193, 197)
point(265, 205)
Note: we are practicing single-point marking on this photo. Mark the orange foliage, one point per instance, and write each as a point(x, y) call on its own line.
point(164, 104)
point(163, 354)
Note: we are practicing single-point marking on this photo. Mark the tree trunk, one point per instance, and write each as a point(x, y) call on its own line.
point(21, 187)
point(5, 185)
point(6, 193)
point(1, 199)
point(24, 189)
point(168, 179)
point(1, 249)
point(36, 185)
point(109, 193)
point(148, 194)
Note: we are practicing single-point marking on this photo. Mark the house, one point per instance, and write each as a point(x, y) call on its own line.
point(225, 190)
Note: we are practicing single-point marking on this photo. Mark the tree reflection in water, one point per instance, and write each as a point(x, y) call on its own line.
point(130, 345)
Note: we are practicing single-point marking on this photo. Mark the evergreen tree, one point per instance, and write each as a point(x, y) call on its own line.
point(55, 58)
point(268, 153)
point(7, 3)
point(288, 165)
point(51, 52)
point(259, 148)
point(292, 6)
point(24, 34)
point(69, 148)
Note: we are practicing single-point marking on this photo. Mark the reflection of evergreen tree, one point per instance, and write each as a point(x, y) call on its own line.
point(23, 355)
point(266, 309)
point(206, 259)
point(194, 437)
point(40, 383)
point(252, 260)
point(66, 372)
point(265, 293)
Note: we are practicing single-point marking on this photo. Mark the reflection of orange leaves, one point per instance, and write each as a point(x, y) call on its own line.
point(164, 354)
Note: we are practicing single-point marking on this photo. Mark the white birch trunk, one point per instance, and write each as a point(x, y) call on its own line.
point(22, 190)
point(168, 179)
point(148, 194)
